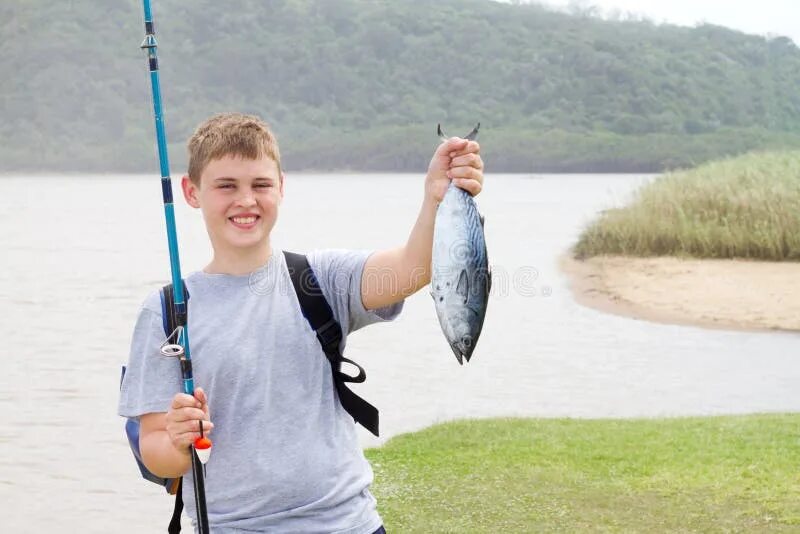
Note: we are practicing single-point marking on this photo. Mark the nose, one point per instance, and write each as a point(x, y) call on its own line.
point(247, 198)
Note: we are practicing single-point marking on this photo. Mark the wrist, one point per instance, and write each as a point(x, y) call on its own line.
point(430, 202)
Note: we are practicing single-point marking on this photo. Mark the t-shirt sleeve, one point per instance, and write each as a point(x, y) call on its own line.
point(151, 380)
point(339, 275)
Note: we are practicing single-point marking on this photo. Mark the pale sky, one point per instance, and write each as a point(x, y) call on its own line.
point(780, 17)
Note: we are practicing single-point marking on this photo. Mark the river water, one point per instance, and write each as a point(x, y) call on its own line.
point(80, 253)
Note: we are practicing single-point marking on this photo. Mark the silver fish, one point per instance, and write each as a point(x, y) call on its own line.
point(460, 275)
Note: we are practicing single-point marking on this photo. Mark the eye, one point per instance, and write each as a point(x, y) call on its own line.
point(226, 186)
point(263, 185)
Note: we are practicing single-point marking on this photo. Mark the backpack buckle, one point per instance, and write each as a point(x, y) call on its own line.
point(344, 377)
point(329, 334)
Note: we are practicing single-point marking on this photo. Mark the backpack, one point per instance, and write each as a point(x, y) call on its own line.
point(318, 313)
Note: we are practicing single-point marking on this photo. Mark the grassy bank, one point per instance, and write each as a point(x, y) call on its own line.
point(720, 474)
point(744, 207)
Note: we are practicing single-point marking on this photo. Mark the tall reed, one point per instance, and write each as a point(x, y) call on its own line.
point(743, 207)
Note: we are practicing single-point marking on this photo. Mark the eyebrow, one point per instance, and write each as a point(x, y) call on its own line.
point(228, 179)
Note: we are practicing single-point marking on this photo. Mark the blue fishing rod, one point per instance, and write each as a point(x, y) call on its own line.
point(179, 349)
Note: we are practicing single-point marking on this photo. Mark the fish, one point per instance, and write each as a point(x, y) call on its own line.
point(461, 278)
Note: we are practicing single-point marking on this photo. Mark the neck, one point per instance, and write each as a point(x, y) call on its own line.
point(239, 262)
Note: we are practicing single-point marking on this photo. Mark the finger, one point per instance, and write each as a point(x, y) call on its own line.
point(190, 429)
point(471, 160)
point(451, 146)
point(187, 414)
point(182, 400)
point(471, 147)
point(466, 172)
point(194, 426)
point(200, 395)
point(473, 187)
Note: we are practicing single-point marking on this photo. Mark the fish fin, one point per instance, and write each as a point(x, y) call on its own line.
point(474, 133)
point(469, 137)
point(463, 284)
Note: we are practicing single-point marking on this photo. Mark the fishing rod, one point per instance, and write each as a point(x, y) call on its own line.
point(181, 347)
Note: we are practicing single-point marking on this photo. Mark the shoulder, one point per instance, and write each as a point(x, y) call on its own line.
point(337, 260)
point(338, 271)
point(152, 302)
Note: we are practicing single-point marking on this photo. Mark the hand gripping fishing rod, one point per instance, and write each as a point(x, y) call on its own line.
point(181, 348)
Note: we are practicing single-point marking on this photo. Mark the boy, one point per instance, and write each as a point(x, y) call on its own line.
point(286, 456)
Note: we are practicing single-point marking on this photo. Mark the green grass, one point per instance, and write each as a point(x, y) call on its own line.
point(716, 474)
point(744, 207)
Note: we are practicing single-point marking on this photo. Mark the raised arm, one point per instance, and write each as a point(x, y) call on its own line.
point(391, 275)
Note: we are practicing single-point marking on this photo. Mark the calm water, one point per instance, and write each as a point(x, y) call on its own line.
point(79, 255)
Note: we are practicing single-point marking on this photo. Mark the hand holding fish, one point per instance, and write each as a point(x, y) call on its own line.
point(461, 278)
point(458, 160)
point(446, 248)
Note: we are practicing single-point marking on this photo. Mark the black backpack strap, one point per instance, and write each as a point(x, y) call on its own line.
point(170, 320)
point(175, 522)
point(168, 315)
point(329, 333)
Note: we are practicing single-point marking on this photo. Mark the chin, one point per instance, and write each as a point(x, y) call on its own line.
point(250, 243)
point(230, 241)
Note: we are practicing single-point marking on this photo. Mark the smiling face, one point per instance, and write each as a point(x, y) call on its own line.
point(239, 198)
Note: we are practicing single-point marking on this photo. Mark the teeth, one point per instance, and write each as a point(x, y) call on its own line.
point(244, 220)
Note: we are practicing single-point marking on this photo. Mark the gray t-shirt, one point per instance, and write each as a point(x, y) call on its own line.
point(286, 456)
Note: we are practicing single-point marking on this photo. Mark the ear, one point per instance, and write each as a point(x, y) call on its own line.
point(283, 181)
point(190, 191)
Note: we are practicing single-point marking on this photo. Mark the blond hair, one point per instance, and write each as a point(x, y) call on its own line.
point(230, 134)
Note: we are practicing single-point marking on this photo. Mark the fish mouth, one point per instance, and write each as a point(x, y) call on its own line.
point(463, 348)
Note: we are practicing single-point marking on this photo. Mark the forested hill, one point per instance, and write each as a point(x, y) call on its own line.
point(358, 84)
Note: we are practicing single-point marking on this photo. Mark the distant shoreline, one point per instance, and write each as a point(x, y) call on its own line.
point(721, 294)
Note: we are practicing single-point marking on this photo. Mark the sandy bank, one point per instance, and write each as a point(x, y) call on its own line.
point(732, 294)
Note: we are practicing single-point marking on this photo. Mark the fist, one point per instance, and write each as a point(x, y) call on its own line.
point(458, 160)
point(184, 417)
